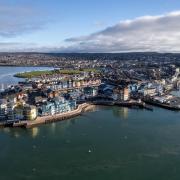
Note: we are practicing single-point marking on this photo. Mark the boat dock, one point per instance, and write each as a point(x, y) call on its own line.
point(130, 104)
point(165, 106)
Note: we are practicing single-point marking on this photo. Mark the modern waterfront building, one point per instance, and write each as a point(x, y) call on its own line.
point(19, 112)
point(30, 112)
point(10, 111)
point(56, 106)
point(3, 109)
point(126, 94)
point(90, 91)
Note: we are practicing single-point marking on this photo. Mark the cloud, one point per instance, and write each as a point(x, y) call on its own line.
point(16, 20)
point(148, 33)
point(16, 47)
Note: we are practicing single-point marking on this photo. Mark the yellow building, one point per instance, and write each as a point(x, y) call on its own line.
point(78, 84)
point(126, 94)
point(19, 112)
point(30, 113)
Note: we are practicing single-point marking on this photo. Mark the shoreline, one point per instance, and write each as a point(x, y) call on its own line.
point(39, 73)
point(164, 106)
point(86, 106)
point(24, 66)
point(77, 112)
point(49, 119)
point(68, 115)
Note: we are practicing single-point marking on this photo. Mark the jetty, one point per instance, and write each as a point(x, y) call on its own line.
point(129, 104)
point(162, 105)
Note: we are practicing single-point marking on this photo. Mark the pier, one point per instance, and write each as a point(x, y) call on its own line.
point(129, 104)
point(165, 106)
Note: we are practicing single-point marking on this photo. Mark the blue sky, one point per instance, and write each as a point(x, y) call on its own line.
point(46, 24)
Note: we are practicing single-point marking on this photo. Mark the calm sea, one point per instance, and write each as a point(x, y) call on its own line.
point(6, 73)
point(106, 144)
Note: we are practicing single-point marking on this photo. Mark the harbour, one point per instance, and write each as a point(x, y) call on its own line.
point(67, 95)
point(89, 90)
point(122, 141)
point(97, 136)
point(66, 116)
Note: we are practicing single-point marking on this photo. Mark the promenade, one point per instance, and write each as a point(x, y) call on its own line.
point(54, 118)
point(64, 116)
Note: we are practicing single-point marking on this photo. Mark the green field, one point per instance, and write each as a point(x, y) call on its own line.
point(35, 74)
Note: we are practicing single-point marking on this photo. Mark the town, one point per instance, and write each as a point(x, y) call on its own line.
point(67, 91)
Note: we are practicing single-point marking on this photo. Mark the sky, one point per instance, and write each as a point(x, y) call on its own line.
point(89, 25)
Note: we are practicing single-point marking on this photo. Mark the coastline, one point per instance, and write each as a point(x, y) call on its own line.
point(77, 112)
point(49, 119)
point(68, 115)
point(165, 106)
point(25, 65)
